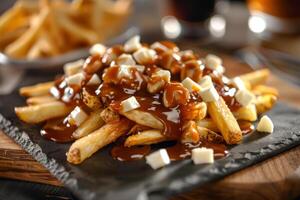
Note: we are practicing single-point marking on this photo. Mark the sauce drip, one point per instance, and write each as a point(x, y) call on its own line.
point(58, 130)
point(176, 152)
point(122, 153)
point(181, 151)
point(170, 117)
point(246, 127)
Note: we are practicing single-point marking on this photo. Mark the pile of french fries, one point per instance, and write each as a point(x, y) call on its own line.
point(206, 120)
point(45, 28)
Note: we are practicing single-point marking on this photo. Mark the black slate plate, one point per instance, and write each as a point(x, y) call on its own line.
point(101, 177)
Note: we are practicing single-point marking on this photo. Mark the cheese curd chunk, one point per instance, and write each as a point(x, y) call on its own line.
point(124, 71)
point(73, 67)
point(265, 125)
point(77, 116)
point(164, 74)
point(144, 55)
point(190, 85)
point(215, 63)
point(159, 46)
point(238, 83)
point(98, 49)
point(75, 79)
point(133, 44)
point(158, 159)
point(206, 82)
point(125, 59)
point(202, 155)
point(244, 97)
point(130, 104)
point(209, 94)
point(95, 80)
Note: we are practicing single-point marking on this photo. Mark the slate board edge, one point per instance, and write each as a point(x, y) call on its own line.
point(61, 174)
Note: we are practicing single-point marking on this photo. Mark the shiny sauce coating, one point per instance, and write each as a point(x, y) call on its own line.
point(113, 90)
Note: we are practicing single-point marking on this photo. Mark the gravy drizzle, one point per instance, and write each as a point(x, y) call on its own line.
point(114, 90)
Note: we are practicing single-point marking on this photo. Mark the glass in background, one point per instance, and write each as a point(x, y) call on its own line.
point(277, 16)
point(187, 18)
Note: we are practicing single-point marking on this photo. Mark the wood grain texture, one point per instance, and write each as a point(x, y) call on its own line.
point(271, 179)
point(17, 164)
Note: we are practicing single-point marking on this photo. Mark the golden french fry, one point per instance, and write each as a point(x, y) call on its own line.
point(54, 32)
point(35, 51)
point(190, 132)
point(265, 102)
point(145, 138)
point(7, 38)
point(225, 121)
point(92, 101)
point(194, 111)
point(40, 100)
point(81, 33)
point(41, 112)
point(256, 77)
point(208, 123)
point(93, 122)
point(246, 113)
point(209, 135)
point(109, 115)
point(43, 47)
point(143, 118)
point(84, 147)
point(263, 89)
point(40, 89)
point(10, 15)
point(20, 47)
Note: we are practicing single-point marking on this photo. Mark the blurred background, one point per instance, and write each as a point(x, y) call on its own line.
point(260, 32)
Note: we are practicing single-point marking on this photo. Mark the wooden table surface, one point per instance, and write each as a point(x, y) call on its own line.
point(270, 179)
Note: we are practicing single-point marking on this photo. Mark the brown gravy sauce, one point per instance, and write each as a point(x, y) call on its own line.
point(58, 130)
point(246, 127)
point(178, 151)
point(113, 91)
point(122, 153)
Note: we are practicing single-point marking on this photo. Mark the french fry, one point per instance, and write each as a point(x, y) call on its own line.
point(91, 100)
point(54, 31)
point(109, 115)
point(264, 103)
point(209, 135)
point(81, 33)
point(40, 89)
point(143, 118)
point(8, 16)
point(263, 89)
point(86, 146)
point(247, 113)
point(256, 78)
point(35, 51)
point(7, 38)
point(208, 123)
point(194, 111)
point(145, 138)
point(190, 132)
point(41, 112)
point(40, 100)
point(20, 47)
point(93, 122)
point(225, 121)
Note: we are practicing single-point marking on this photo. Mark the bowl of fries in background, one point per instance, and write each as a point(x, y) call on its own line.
point(44, 33)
